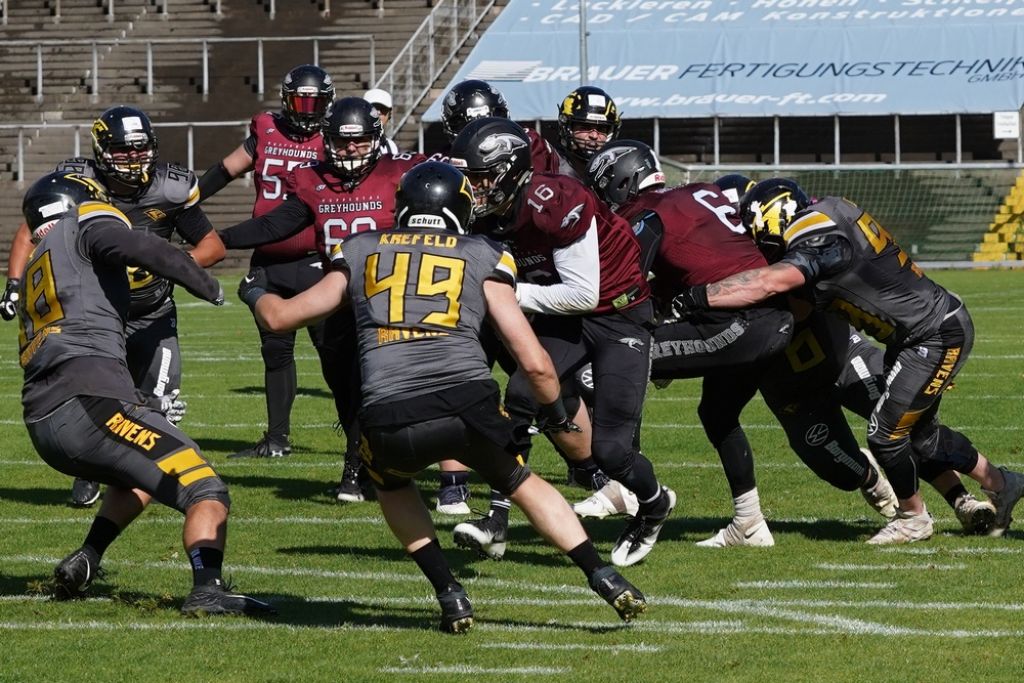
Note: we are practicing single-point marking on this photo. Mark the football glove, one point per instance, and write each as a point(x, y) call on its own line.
point(253, 286)
point(553, 419)
point(691, 300)
point(9, 302)
point(172, 407)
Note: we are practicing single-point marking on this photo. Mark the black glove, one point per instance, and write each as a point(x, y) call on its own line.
point(219, 301)
point(253, 286)
point(9, 302)
point(552, 418)
point(691, 300)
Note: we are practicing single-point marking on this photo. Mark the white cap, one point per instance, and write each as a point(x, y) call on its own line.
point(378, 96)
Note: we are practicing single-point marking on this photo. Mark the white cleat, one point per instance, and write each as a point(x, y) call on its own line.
point(880, 497)
point(752, 532)
point(612, 499)
point(976, 516)
point(905, 528)
point(641, 532)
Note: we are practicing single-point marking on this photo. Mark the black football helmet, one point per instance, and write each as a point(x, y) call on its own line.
point(54, 195)
point(591, 106)
point(352, 120)
point(470, 100)
point(734, 186)
point(124, 146)
point(434, 194)
point(495, 155)
point(306, 93)
point(767, 209)
point(622, 169)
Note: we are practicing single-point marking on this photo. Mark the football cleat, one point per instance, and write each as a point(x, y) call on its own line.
point(612, 499)
point(750, 531)
point(976, 516)
point(485, 535)
point(627, 600)
point(905, 528)
point(641, 532)
point(268, 447)
point(880, 497)
point(73, 575)
point(593, 479)
point(216, 597)
point(84, 493)
point(456, 612)
point(452, 500)
point(349, 490)
point(1005, 500)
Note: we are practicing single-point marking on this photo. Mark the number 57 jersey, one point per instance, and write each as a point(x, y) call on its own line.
point(419, 304)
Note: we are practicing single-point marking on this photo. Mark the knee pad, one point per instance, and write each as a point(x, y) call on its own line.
point(949, 448)
point(207, 488)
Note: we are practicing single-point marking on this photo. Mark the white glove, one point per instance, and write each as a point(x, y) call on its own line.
point(173, 408)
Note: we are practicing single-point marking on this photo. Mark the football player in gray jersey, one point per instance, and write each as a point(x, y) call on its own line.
point(160, 199)
point(855, 270)
point(83, 412)
point(420, 294)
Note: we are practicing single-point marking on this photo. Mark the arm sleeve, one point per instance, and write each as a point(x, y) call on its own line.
point(193, 225)
point(284, 221)
point(579, 268)
point(112, 244)
point(820, 256)
point(213, 181)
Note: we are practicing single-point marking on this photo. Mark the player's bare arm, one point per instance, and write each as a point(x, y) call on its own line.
point(277, 314)
point(754, 286)
point(519, 339)
point(21, 247)
point(209, 251)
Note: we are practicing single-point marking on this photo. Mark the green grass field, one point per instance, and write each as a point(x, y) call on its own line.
point(820, 606)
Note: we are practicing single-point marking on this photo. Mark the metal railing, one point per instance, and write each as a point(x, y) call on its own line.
point(205, 44)
point(78, 128)
point(428, 53)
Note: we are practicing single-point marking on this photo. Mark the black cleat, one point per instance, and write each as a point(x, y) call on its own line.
point(72, 576)
point(268, 447)
point(626, 598)
point(84, 493)
point(487, 536)
point(216, 597)
point(456, 612)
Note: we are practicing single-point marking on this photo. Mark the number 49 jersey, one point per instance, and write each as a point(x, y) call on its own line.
point(419, 305)
point(861, 274)
point(341, 210)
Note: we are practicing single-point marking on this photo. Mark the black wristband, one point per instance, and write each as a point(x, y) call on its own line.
point(554, 412)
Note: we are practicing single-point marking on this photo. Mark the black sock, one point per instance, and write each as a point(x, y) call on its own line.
point(101, 534)
point(586, 558)
point(434, 566)
point(499, 507)
point(454, 478)
point(954, 493)
point(280, 393)
point(206, 564)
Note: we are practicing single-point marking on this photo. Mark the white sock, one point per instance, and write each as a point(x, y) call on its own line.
point(748, 505)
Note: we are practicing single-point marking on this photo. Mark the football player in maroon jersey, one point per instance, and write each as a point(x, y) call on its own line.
point(692, 236)
point(580, 277)
point(351, 191)
point(277, 143)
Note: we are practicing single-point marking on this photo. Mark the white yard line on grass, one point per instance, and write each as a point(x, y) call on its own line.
point(997, 550)
point(316, 521)
point(469, 669)
point(886, 567)
point(638, 647)
point(799, 584)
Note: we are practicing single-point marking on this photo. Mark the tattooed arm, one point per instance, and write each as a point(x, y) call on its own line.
point(754, 286)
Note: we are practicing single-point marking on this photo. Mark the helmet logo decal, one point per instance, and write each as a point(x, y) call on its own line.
point(495, 146)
